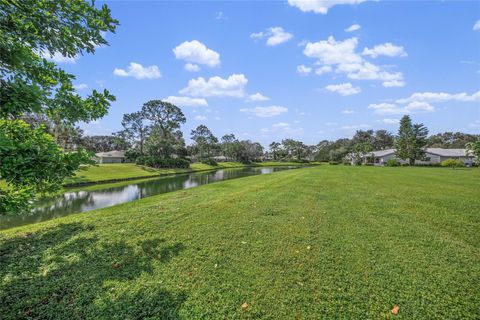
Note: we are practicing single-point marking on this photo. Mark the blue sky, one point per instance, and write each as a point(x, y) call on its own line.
point(307, 70)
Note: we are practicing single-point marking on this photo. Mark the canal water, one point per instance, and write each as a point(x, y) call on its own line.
point(84, 200)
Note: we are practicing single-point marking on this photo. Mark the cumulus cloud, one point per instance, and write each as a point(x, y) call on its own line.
point(196, 52)
point(59, 58)
point(192, 67)
point(319, 6)
point(257, 97)
point(233, 86)
point(387, 49)
point(274, 35)
point(389, 121)
point(433, 97)
point(344, 89)
point(353, 27)
point(138, 71)
point(391, 108)
point(201, 118)
point(343, 56)
point(187, 101)
point(283, 128)
point(265, 112)
point(81, 86)
point(303, 70)
point(354, 127)
point(476, 26)
point(323, 69)
point(348, 111)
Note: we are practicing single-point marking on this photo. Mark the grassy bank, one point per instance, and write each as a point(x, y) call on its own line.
point(125, 171)
point(321, 242)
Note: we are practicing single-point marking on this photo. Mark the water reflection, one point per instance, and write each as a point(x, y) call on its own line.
point(81, 201)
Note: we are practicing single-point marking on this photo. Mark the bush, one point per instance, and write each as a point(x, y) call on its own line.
point(346, 162)
point(452, 163)
point(392, 163)
point(210, 162)
point(334, 163)
point(155, 162)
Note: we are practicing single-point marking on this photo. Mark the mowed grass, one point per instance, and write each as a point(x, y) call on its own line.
point(124, 171)
point(315, 243)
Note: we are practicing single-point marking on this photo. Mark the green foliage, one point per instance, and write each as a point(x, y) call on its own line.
point(205, 142)
point(411, 140)
point(452, 163)
point(473, 148)
point(30, 31)
point(392, 163)
point(210, 162)
point(156, 162)
point(31, 162)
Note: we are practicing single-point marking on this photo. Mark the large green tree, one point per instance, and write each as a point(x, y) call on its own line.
point(274, 146)
point(30, 32)
point(205, 141)
point(411, 140)
point(136, 128)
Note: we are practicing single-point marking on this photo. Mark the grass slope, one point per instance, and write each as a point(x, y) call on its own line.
point(124, 171)
point(321, 242)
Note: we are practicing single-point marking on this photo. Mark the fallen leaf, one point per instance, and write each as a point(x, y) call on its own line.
point(308, 247)
point(395, 309)
point(245, 306)
point(116, 265)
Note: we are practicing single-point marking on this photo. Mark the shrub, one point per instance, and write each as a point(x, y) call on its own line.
point(333, 163)
point(345, 162)
point(155, 162)
point(392, 163)
point(210, 162)
point(452, 163)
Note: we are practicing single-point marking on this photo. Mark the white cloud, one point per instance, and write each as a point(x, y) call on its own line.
point(319, 6)
point(138, 71)
point(303, 70)
point(81, 86)
point(265, 112)
point(233, 86)
point(391, 108)
point(276, 36)
point(344, 89)
point(331, 51)
point(387, 49)
point(441, 97)
point(343, 55)
point(419, 106)
point(389, 121)
point(283, 128)
point(476, 26)
point(355, 127)
point(59, 58)
point(257, 97)
point(219, 15)
point(192, 67)
point(323, 69)
point(187, 101)
point(353, 27)
point(196, 52)
point(201, 118)
point(347, 111)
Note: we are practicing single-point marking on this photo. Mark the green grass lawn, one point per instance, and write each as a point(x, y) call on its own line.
point(316, 243)
point(124, 171)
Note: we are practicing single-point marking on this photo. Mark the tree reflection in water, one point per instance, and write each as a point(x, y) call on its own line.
point(81, 201)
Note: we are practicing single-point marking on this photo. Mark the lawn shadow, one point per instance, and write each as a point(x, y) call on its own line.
point(68, 272)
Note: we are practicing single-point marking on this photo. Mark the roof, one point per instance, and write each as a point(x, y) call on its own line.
point(448, 152)
point(111, 154)
point(437, 151)
point(382, 153)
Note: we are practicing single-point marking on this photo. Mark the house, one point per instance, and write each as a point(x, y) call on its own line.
point(432, 156)
point(110, 157)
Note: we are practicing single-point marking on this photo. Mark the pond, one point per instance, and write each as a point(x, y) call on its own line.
point(86, 200)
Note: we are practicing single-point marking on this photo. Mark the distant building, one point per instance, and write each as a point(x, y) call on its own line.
point(432, 155)
point(110, 157)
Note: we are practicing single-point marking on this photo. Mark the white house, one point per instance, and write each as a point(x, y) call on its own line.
point(110, 157)
point(432, 155)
